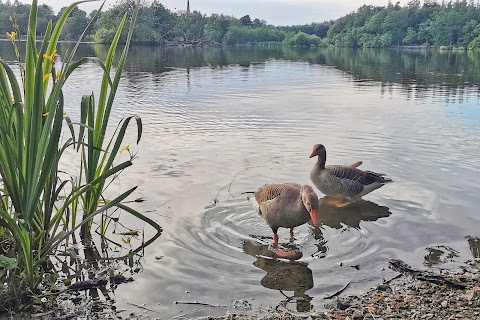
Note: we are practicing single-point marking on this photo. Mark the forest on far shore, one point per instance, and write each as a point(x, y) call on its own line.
point(416, 23)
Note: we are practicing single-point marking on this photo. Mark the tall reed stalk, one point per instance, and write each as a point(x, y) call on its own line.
point(32, 119)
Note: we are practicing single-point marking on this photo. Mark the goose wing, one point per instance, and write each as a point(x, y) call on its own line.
point(270, 192)
point(351, 181)
point(271, 196)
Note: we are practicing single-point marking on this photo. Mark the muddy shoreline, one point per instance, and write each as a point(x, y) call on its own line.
point(427, 294)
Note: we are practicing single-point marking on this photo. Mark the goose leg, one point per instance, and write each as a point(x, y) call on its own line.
point(275, 237)
point(291, 235)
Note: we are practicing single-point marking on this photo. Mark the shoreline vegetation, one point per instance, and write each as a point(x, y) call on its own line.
point(275, 44)
point(56, 219)
point(417, 24)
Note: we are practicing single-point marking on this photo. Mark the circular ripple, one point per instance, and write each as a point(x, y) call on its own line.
point(232, 231)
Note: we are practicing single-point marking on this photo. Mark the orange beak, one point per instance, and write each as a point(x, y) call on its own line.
point(314, 153)
point(314, 216)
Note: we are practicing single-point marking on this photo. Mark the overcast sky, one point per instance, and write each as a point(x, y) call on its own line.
point(277, 12)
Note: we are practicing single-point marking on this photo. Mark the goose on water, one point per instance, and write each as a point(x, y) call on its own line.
point(345, 184)
point(287, 205)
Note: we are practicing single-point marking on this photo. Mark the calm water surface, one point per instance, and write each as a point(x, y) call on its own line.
point(213, 115)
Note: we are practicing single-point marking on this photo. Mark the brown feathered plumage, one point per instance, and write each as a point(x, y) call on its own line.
point(286, 205)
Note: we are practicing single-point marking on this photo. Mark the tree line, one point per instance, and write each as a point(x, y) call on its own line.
point(453, 23)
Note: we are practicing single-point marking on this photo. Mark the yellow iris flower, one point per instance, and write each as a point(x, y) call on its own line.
point(46, 114)
point(51, 57)
point(12, 35)
point(127, 148)
point(45, 77)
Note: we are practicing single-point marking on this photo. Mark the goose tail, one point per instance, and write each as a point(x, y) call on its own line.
point(379, 177)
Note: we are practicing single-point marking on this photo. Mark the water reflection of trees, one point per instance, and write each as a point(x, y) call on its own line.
point(418, 72)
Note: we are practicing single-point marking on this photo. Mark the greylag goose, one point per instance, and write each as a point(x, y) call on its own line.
point(286, 205)
point(345, 184)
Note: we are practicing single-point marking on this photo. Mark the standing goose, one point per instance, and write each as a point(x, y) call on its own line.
point(286, 205)
point(345, 184)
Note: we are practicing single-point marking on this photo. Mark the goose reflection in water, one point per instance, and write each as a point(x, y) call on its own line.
point(283, 275)
point(351, 215)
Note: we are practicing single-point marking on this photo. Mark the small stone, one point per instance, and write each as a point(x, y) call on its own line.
point(338, 304)
point(357, 315)
point(384, 287)
point(444, 304)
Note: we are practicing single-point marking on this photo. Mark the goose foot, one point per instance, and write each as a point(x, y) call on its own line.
point(288, 253)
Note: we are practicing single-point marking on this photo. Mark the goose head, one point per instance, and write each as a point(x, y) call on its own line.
point(310, 201)
point(318, 150)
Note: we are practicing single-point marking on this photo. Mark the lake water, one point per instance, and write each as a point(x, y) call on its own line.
point(252, 115)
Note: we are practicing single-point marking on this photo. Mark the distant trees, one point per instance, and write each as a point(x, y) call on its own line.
point(451, 23)
point(447, 24)
point(76, 23)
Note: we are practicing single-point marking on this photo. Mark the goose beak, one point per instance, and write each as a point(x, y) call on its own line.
point(314, 216)
point(314, 153)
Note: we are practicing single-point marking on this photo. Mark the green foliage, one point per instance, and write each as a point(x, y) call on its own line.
point(246, 21)
point(6, 264)
point(302, 39)
point(76, 23)
point(431, 24)
point(450, 24)
point(474, 44)
point(39, 205)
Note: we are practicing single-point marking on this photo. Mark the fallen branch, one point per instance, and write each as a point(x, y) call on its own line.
point(88, 284)
point(390, 280)
point(201, 304)
point(215, 201)
point(155, 210)
point(338, 292)
point(140, 306)
point(402, 267)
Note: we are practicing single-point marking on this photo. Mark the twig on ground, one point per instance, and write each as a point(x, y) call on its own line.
point(402, 267)
point(140, 306)
point(215, 201)
point(390, 280)
point(202, 304)
point(230, 185)
point(155, 210)
point(338, 292)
